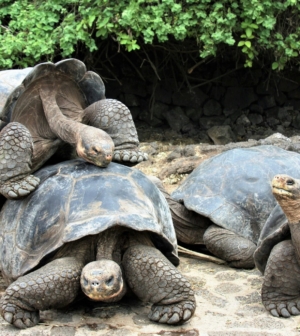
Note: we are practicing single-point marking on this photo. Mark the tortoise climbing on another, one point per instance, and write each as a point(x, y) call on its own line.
point(278, 252)
point(226, 200)
point(109, 230)
point(57, 104)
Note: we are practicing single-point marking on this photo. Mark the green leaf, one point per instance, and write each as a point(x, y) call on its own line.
point(274, 65)
point(248, 44)
point(91, 20)
point(248, 32)
point(248, 63)
point(103, 22)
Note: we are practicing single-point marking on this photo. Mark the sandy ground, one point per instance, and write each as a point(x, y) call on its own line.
point(228, 303)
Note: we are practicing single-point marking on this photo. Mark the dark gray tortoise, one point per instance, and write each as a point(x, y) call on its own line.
point(226, 200)
point(57, 104)
point(278, 252)
point(101, 230)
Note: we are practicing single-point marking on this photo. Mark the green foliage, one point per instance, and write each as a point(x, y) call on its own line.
point(32, 31)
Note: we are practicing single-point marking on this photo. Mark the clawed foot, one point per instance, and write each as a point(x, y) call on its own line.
point(284, 309)
point(19, 188)
point(132, 156)
point(172, 314)
point(19, 317)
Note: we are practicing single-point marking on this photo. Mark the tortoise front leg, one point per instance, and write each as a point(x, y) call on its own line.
point(115, 118)
point(15, 162)
point(281, 287)
point(52, 286)
point(154, 279)
point(227, 245)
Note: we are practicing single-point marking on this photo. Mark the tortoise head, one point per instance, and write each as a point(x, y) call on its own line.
point(95, 146)
point(102, 280)
point(286, 190)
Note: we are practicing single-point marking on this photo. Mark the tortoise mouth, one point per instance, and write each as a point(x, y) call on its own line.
point(100, 159)
point(97, 296)
point(281, 191)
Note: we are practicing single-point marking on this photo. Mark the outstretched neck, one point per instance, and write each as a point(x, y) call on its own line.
point(291, 209)
point(295, 234)
point(64, 128)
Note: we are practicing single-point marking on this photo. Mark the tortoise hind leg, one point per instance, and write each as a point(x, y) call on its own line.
point(15, 162)
point(52, 286)
point(227, 245)
point(115, 118)
point(281, 286)
point(154, 279)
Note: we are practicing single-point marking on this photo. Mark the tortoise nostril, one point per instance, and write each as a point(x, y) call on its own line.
point(95, 283)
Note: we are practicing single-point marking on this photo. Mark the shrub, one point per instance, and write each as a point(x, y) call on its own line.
point(42, 30)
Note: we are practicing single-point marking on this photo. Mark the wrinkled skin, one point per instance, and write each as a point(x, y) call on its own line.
point(281, 286)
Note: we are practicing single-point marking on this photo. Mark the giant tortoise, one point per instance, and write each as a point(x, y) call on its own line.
point(57, 104)
point(101, 230)
point(278, 255)
point(226, 200)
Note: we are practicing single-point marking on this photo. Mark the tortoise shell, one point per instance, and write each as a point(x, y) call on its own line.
point(233, 189)
point(77, 88)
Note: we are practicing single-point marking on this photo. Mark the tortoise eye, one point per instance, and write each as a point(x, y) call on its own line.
point(109, 281)
point(95, 150)
point(290, 182)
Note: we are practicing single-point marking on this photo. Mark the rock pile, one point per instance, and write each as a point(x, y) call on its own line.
point(243, 105)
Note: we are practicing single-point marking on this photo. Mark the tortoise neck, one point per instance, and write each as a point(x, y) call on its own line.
point(63, 127)
point(291, 208)
point(110, 244)
point(295, 234)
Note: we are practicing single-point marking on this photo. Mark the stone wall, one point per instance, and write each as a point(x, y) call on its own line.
point(240, 105)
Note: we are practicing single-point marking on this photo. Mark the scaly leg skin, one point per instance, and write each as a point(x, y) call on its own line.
point(281, 286)
point(54, 285)
point(227, 245)
point(115, 118)
point(15, 162)
point(154, 279)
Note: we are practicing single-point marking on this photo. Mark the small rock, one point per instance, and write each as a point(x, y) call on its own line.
point(221, 135)
point(255, 118)
point(194, 114)
point(207, 123)
point(267, 102)
point(212, 108)
point(243, 120)
point(229, 111)
point(177, 119)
